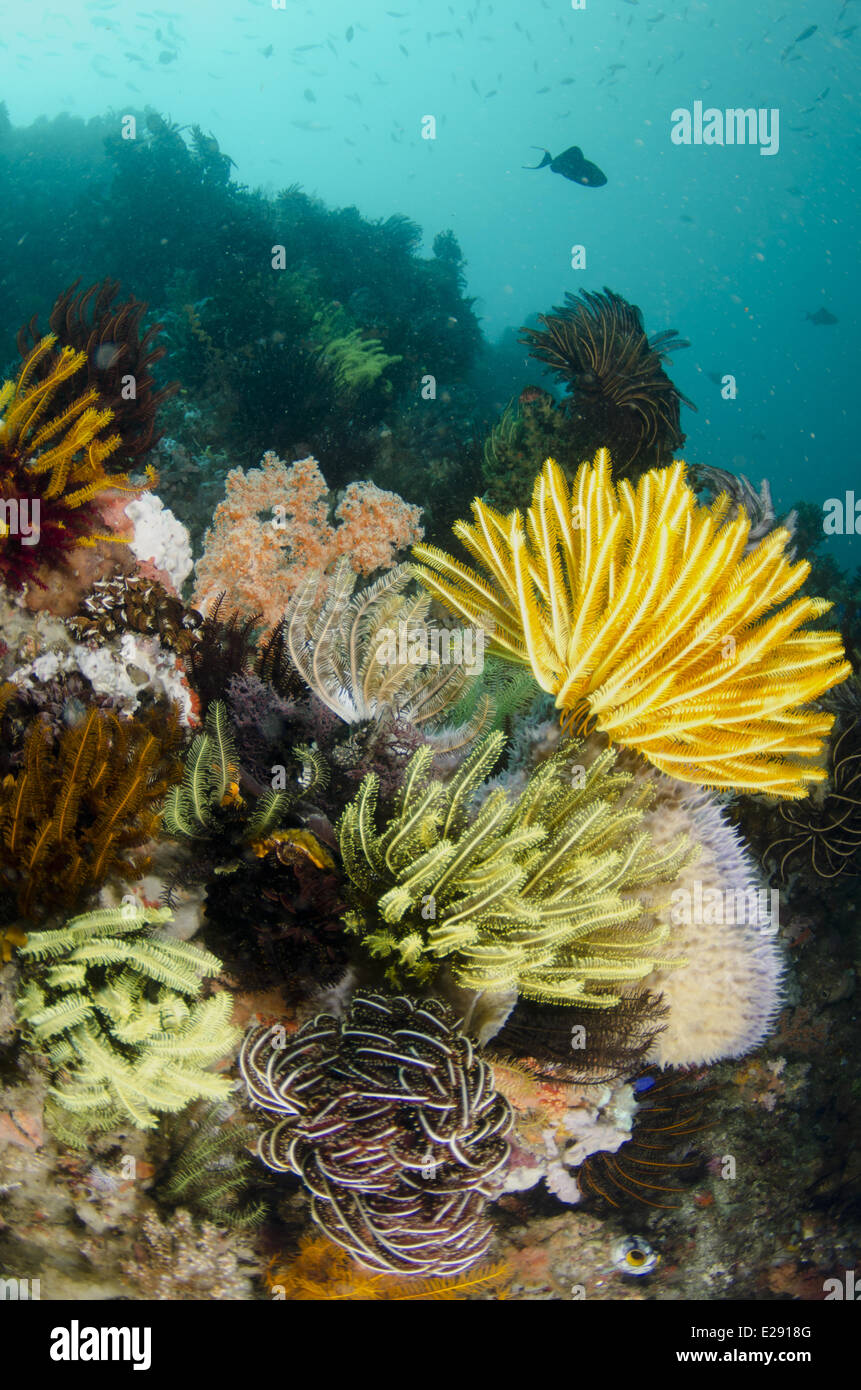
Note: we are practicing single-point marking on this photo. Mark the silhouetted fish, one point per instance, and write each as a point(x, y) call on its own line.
point(822, 316)
point(808, 32)
point(572, 165)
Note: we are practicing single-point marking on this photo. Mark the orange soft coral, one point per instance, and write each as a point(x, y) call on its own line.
point(272, 529)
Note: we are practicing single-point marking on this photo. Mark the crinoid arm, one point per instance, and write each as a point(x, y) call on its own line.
point(641, 612)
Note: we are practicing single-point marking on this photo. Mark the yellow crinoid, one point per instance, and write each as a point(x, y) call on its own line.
point(639, 610)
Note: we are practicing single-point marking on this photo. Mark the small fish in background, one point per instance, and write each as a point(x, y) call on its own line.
point(572, 165)
point(847, 33)
point(268, 50)
point(805, 34)
point(684, 217)
point(405, 51)
point(309, 95)
point(823, 95)
point(166, 56)
point(822, 316)
point(349, 34)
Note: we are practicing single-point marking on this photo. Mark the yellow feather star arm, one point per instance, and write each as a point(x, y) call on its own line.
point(638, 610)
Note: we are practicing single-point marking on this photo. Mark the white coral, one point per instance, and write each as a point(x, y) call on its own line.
point(160, 537)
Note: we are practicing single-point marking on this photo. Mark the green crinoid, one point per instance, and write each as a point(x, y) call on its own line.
point(207, 804)
point(537, 893)
point(355, 362)
point(116, 1011)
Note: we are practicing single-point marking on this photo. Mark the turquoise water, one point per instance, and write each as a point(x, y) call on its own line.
point(728, 245)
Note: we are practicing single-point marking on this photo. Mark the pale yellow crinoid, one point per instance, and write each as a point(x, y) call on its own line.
point(638, 609)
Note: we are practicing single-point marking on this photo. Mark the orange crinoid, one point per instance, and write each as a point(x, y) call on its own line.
point(639, 610)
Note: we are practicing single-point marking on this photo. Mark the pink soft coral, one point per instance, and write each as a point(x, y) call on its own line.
point(272, 529)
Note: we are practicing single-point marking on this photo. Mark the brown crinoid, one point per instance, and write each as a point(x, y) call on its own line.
point(660, 1161)
point(391, 1120)
point(118, 353)
point(828, 830)
point(620, 396)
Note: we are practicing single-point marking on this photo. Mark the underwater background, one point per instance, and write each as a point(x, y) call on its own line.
point(314, 281)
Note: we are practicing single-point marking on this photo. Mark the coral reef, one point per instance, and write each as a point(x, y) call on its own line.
point(577, 911)
point(259, 564)
point(638, 612)
point(117, 1010)
point(392, 1122)
point(176, 1260)
point(537, 893)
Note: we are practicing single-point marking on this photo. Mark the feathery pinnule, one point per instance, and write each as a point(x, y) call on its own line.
point(538, 893)
point(639, 610)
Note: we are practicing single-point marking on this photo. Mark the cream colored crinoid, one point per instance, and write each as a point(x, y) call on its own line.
point(349, 648)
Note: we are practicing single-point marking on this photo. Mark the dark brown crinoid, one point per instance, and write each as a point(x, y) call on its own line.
point(620, 396)
point(827, 831)
point(391, 1120)
point(119, 361)
point(276, 919)
point(659, 1162)
point(572, 1044)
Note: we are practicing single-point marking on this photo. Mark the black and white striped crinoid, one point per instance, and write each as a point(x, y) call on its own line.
point(390, 1118)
